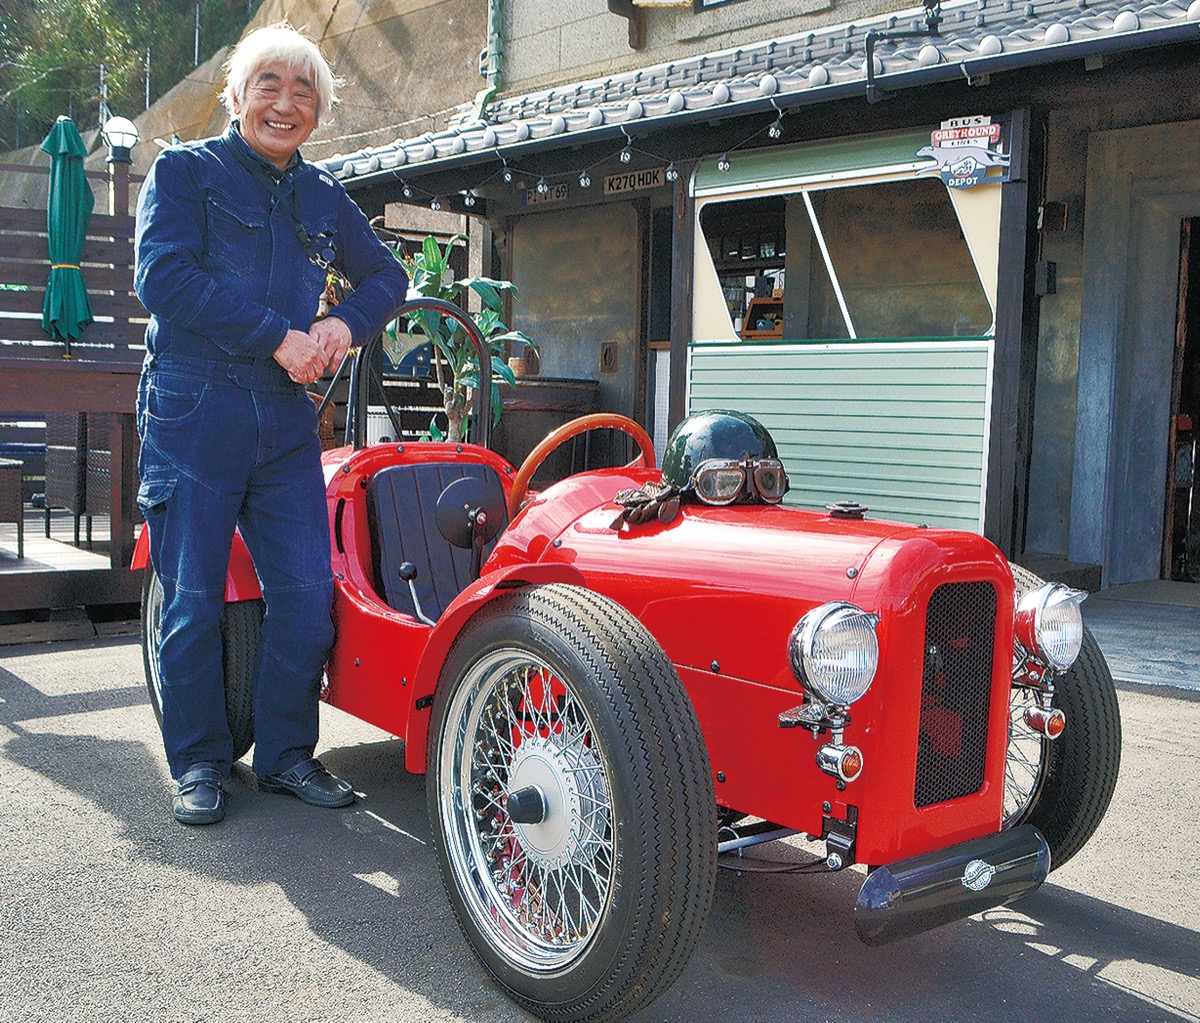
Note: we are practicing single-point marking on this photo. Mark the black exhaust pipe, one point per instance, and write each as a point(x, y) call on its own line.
point(916, 895)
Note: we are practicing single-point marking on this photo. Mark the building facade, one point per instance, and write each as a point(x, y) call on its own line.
point(954, 279)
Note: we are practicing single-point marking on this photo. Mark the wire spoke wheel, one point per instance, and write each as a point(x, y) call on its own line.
point(1026, 762)
point(1063, 786)
point(571, 803)
point(539, 888)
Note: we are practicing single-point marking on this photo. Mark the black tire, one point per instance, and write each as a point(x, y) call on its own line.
point(1077, 773)
point(617, 742)
point(241, 630)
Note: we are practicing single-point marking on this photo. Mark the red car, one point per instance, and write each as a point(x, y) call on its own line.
point(618, 684)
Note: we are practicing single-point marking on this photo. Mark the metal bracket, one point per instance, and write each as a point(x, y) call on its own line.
point(815, 717)
point(933, 20)
point(840, 838)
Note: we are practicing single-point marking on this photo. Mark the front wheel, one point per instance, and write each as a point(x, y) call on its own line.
point(241, 631)
point(1064, 786)
point(572, 804)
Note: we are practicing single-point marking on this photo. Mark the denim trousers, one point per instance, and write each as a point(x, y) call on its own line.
point(228, 445)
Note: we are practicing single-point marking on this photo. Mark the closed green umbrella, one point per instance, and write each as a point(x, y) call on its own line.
point(66, 310)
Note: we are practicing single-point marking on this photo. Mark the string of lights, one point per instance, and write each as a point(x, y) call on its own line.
point(519, 175)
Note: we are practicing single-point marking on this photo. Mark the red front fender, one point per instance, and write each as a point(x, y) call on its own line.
point(453, 620)
point(241, 581)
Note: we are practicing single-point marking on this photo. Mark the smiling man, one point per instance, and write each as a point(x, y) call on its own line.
point(235, 238)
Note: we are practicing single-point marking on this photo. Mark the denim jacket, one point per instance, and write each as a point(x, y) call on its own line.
point(220, 264)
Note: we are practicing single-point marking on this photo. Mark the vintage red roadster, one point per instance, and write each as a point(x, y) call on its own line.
point(620, 682)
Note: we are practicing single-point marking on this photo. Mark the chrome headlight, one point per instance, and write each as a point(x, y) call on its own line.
point(1049, 624)
point(834, 652)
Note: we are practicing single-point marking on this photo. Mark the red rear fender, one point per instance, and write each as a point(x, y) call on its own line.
point(451, 624)
point(241, 581)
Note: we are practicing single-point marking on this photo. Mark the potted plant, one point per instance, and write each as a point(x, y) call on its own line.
point(454, 358)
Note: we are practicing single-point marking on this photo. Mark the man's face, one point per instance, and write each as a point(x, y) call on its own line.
point(279, 111)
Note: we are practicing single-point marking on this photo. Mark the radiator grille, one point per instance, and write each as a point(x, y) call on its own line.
point(955, 692)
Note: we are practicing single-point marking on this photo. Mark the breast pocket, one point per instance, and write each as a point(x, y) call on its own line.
point(234, 236)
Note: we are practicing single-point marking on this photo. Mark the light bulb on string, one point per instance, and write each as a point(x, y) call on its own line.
point(626, 155)
point(407, 190)
point(507, 174)
point(542, 187)
point(469, 197)
point(776, 129)
point(436, 204)
point(585, 179)
point(672, 173)
point(723, 163)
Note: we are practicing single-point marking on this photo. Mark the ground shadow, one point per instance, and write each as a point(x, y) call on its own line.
point(776, 947)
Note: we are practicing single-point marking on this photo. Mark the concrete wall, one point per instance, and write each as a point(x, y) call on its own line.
point(406, 64)
point(1126, 174)
point(573, 40)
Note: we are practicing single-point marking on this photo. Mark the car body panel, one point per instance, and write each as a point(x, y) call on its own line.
point(720, 589)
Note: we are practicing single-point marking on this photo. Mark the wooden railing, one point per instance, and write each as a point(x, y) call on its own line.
point(99, 376)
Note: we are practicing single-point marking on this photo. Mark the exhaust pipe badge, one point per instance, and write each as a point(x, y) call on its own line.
point(978, 875)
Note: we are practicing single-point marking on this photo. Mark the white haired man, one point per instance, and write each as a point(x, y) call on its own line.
point(234, 238)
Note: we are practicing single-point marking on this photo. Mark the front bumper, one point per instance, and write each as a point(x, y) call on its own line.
point(927, 891)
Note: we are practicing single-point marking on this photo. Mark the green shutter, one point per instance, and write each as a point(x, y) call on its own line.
point(901, 427)
point(787, 163)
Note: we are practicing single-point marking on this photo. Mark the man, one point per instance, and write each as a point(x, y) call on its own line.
point(234, 238)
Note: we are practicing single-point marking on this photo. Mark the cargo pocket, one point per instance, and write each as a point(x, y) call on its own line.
point(153, 495)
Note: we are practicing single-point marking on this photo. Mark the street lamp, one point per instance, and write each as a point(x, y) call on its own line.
point(121, 136)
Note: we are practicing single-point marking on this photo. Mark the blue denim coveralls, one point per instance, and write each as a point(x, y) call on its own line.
point(228, 439)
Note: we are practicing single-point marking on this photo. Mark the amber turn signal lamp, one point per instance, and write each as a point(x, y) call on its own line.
point(1048, 722)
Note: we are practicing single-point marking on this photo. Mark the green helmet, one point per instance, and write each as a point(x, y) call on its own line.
point(717, 433)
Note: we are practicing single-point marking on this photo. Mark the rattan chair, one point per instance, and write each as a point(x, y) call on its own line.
point(66, 464)
point(12, 503)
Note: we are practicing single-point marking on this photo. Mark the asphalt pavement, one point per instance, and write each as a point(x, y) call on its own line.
point(111, 911)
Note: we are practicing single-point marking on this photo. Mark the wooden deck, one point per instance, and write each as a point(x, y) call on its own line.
point(58, 551)
point(56, 573)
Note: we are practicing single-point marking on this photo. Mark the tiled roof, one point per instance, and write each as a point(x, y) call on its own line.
point(977, 37)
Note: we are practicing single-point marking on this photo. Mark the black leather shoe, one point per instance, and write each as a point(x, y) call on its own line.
point(310, 782)
point(199, 798)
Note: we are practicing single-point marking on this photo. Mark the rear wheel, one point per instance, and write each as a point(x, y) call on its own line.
point(241, 630)
point(571, 801)
point(1063, 787)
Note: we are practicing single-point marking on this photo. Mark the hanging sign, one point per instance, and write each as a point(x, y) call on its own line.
point(964, 149)
point(634, 181)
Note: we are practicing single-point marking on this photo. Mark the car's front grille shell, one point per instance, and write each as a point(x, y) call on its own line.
point(956, 692)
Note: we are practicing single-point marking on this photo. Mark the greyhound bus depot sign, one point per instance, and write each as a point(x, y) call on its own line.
point(964, 149)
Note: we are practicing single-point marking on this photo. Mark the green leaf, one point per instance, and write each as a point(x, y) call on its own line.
point(501, 368)
point(433, 255)
point(435, 431)
point(492, 282)
point(516, 335)
point(486, 291)
point(450, 247)
point(487, 321)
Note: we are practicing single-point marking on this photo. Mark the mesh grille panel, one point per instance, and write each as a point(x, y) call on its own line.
point(955, 692)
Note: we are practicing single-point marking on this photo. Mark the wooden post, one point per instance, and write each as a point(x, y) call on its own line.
point(123, 500)
point(682, 257)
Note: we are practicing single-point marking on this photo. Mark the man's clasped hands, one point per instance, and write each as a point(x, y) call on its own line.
point(306, 356)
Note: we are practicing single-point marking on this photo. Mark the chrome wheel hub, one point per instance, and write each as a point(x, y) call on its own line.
point(572, 785)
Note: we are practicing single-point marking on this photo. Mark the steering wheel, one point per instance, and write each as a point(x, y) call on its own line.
point(564, 433)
